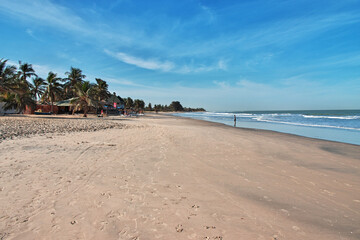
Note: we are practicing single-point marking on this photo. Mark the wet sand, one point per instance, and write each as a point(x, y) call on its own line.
point(162, 177)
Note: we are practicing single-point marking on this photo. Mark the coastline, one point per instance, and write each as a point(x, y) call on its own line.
point(170, 177)
point(341, 135)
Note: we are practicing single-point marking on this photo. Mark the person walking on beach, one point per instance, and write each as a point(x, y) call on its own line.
point(234, 120)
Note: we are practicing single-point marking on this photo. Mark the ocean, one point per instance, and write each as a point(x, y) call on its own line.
point(333, 125)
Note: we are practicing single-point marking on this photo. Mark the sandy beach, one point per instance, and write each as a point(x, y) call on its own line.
point(163, 177)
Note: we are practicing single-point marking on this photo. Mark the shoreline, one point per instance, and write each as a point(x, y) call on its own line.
point(169, 177)
point(265, 130)
point(110, 118)
point(288, 126)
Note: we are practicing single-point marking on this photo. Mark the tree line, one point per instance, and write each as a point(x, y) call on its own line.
point(21, 87)
point(174, 106)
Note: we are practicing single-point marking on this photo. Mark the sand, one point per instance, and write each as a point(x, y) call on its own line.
point(163, 177)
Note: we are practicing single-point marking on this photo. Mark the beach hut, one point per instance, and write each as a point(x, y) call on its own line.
point(113, 105)
point(65, 106)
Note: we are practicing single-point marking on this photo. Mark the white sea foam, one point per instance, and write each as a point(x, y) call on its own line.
point(343, 128)
point(296, 119)
point(333, 117)
point(260, 119)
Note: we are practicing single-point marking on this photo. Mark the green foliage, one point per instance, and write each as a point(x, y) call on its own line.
point(38, 88)
point(18, 101)
point(176, 106)
point(25, 71)
point(14, 88)
point(101, 89)
point(7, 76)
point(74, 77)
point(17, 92)
point(53, 89)
point(86, 97)
point(139, 104)
point(129, 103)
point(149, 107)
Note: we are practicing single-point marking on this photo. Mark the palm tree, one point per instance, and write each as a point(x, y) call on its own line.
point(139, 104)
point(53, 89)
point(14, 91)
point(74, 77)
point(18, 101)
point(86, 94)
point(7, 76)
point(25, 71)
point(129, 103)
point(38, 87)
point(101, 89)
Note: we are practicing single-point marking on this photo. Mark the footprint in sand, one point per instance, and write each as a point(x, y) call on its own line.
point(103, 225)
point(328, 192)
point(106, 194)
point(284, 211)
point(209, 227)
point(295, 228)
point(54, 228)
point(191, 215)
point(179, 228)
point(267, 198)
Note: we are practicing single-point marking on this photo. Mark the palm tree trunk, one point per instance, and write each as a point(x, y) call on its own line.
point(85, 111)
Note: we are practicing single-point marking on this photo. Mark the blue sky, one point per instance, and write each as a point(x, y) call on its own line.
point(220, 55)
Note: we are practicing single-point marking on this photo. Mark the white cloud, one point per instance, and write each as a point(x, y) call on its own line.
point(152, 64)
point(222, 84)
point(45, 12)
point(193, 68)
point(209, 13)
point(125, 82)
point(166, 66)
point(222, 64)
point(41, 70)
point(30, 32)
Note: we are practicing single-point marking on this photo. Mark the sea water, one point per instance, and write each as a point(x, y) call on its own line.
point(334, 125)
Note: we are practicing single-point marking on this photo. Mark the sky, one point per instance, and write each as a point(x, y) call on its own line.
point(229, 55)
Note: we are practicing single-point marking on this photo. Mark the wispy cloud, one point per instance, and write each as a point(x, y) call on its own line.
point(41, 70)
point(209, 13)
point(222, 84)
point(30, 32)
point(48, 13)
point(280, 33)
point(125, 82)
point(249, 95)
point(45, 12)
point(68, 57)
point(152, 64)
point(275, 33)
point(166, 66)
point(193, 68)
point(285, 32)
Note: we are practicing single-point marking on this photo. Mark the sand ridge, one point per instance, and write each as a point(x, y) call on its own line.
point(164, 177)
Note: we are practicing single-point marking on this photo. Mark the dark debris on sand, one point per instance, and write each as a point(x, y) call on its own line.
point(14, 127)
